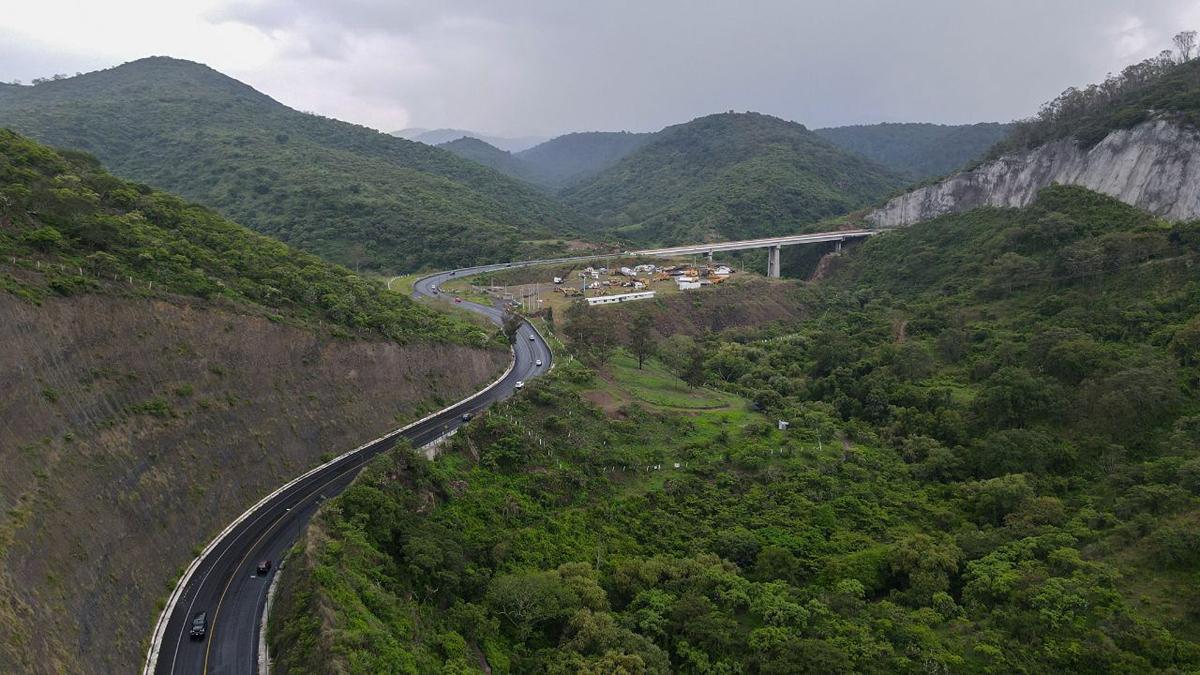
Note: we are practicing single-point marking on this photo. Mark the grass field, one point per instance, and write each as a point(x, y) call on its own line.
point(656, 387)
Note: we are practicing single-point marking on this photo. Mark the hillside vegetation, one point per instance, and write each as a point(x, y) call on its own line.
point(1160, 87)
point(991, 467)
point(347, 193)
point(495, 158)
point(918, 151)
point(729, 176)
point(164, 369)
point(571, 158)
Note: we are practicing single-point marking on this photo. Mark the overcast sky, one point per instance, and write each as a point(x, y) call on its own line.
point(544, 67)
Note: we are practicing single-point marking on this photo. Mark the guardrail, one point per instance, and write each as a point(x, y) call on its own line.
point(160, 627)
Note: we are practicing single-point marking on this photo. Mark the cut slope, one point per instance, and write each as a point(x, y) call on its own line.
point(729, 176)
point(918, 150)
point(342, 191)
point(164, 369)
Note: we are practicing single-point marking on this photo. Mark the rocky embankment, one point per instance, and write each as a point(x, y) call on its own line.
point(1154, 166)
point(132, 430)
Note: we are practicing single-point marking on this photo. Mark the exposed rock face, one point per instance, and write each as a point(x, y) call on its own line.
point(1154, 166)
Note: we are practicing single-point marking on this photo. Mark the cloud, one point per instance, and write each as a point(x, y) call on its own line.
point(548, 66)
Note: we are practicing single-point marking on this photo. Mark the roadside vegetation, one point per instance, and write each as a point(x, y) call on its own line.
point(990, 467)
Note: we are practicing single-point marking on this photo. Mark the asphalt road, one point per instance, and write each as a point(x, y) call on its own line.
point(225, 584)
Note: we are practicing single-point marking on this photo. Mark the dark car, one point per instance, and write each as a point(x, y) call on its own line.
point(199, 626)
point(263, 567)
point(466, 417)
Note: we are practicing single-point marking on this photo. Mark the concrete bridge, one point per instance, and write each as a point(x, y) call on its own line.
point(773, 244)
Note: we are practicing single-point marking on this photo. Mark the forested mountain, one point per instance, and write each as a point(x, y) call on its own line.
point(729, 176)
point(992, 466)
point(918, 150)
point(440, 136)
point(163, 369)
point(571, 158)
point(342, 191)
point(495, 158)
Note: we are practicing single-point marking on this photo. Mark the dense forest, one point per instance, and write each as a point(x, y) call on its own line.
point(918, 151)
point(729, 176)
point(349, 194)
point(1166, 86)
point(83, 230)
point(990, 467)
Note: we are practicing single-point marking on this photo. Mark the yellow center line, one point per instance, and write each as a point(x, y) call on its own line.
point(221, 600)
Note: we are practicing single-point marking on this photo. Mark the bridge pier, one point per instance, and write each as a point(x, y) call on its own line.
point(773, 262)
point(839, 246)
point(709, 257)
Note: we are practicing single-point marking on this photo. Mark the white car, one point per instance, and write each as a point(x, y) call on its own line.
point(519, 385)
point(538, 362)
point(531, 338)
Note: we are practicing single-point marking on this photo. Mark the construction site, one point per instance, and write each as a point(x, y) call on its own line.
point(537, 288)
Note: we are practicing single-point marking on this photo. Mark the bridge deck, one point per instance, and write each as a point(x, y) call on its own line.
point(756, 243)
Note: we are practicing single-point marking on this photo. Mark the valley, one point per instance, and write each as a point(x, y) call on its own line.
point(718, 393)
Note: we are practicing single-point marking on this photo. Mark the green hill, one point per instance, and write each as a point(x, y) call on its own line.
point(729, 176)
point(64, 208)
point(918, 150)
point(495, 158)
point(342, 191)
point(572, 158)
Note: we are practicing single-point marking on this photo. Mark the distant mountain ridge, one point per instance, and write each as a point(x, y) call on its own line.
point(443, 136)
point(729, 176)
point(918, 150)
point(490, 156)
point(571, 158)
point(345, 192)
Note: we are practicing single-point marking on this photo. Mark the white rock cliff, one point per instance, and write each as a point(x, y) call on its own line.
point(1154, 166)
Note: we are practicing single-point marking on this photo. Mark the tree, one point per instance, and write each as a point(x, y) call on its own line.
point(591, 336)
point(511, 324)
point(529, 599)
point(1185, 43)
point(641, 338)
point(1186, 342)
point(693, 374)
point(1012, 397)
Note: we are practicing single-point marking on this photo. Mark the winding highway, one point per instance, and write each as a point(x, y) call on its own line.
point(222, 581)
